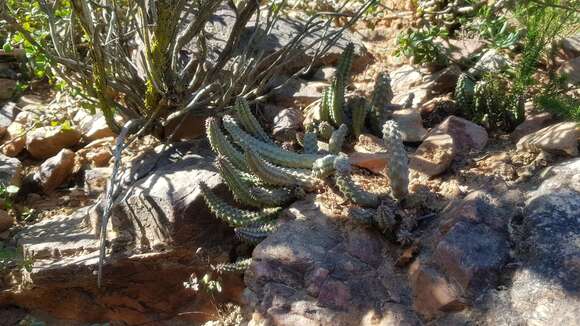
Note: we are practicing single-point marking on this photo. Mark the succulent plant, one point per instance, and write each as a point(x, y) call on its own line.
point(310, 142)
point(270, 152)
point(323, 167)
point(337, 139)
point(248, 121)
point(233, 216)
point(348, 188)
point(325, 130)
point(397, 160)
point(220, 144)
point(255, 233)
point(278, 176)
point(239, 266)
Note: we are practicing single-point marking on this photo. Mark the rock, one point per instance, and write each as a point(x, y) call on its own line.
point(559, 138)
point(28, 99)
point(325, 74)
point(96, 180)
point(545, 287)
point(286, 123)
point(444, 81)
point(432, 293)
point(161, 234)
point(297, 91)
point(92, 127)
point(6, 220)
point(571, 69)
point(463, 49)
point(490, 61)
point(45, 142)
point(314, 271)
point(368, 143)
point(532, 124)
point(7, 88)
point(464, 255)
point(14, 140)
point(436, 110)
point(571, 46)
point(434, 155)
point(7, 114)
point(421, 95)
point(472, 255)
point(282, 33)
point(7, 73)
point(56, 170)
point(189, 127)
point(100, 157)
point(410, 124)
point(405, 78)
point(374, 162)
point(467, 136)
point(10, 169)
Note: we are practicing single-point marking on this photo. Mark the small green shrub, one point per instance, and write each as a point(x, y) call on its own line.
point(421, 46)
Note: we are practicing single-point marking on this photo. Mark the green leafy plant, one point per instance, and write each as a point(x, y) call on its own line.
point(421, 45)
point(7, 194)
point(493, 27)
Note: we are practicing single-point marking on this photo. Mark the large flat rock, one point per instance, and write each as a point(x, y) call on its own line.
point(160, 233)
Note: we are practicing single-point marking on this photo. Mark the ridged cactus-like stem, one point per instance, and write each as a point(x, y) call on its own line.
point(337, 139)
point(362, 215)
point(310, 142)
point(239, 188)
point(324, 167)
point(337, 102)
point(381, 97)
point(345, 63)
point(349, 189)
point(248, 121)
point(385, 219)
point(359, 114)
point(255, 234)
point(274, 197)
point(239, 266)
point(233, 216)
point(464, 93)
point(325, 104)
point(382, 92)
point(397, 160)
point(270, 152)
point(275, 175)
point(221, 146)
point(325, 130)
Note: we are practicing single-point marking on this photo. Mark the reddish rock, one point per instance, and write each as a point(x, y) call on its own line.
point(444, 81)
point(463, 49)
point(314, 271)
point(6, 220)
point(334, 293)
point(467, 136)
point(532, 124)
point(434, 155)
point(410, 124)
point(45, 142)
point(54, 171)
point(286, 123)
point(374, 162)
point(14, 140)
point(368, 143)
point(472, 255)
point(100, 157)
point(558, 138)
point(161, 235)
point(432, 293)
